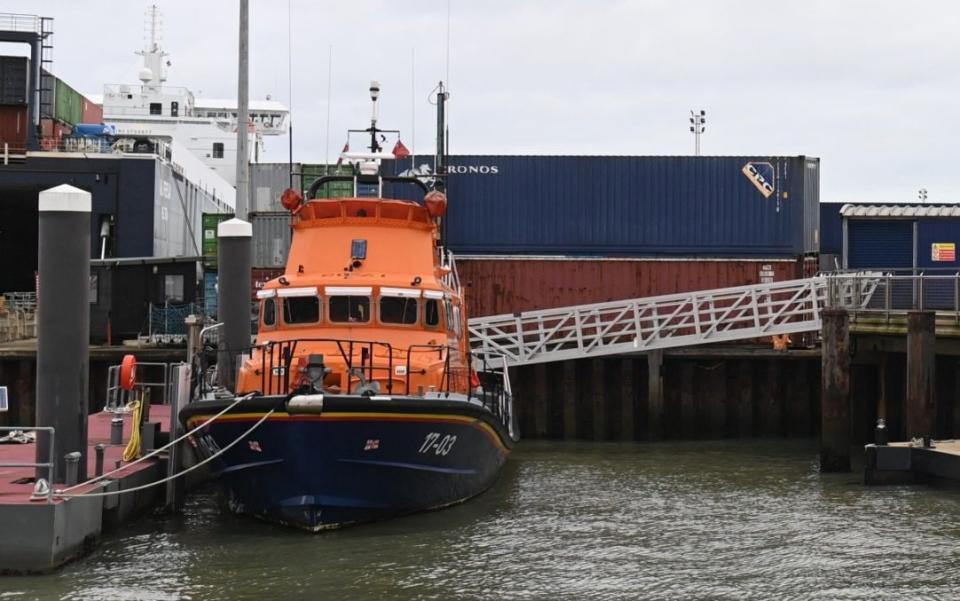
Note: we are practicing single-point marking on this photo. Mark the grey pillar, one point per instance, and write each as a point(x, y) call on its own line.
point(655, 395)
point(243, 158)
point(233, 256)
point(921, 390)
point(63, 326)
point(835, 393)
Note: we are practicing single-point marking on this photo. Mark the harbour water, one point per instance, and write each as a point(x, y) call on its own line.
point(691, 520)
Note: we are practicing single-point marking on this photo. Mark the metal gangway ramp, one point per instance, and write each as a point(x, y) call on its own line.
point(661, 322)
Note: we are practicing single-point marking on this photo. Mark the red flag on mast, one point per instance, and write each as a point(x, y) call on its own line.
point(400, 151)
point(346, 148)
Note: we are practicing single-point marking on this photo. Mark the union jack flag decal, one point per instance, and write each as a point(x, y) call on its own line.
point(372, 444)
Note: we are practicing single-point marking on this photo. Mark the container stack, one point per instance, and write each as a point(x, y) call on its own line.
point(61, 107)
point(536, 232)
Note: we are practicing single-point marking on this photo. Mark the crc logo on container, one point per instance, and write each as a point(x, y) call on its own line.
point(760, 175)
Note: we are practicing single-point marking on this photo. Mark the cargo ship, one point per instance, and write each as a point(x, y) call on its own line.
point(364, 400)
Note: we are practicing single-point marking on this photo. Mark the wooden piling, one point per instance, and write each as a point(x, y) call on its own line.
point(655, 395)
point(598, 400)
point(539, 396)
point(570, 399)
point(835, 392)
point(715, 397)
point(627, 399)
point(688, 401)
point(921, 352)
point(743, 398)
point(770, 403)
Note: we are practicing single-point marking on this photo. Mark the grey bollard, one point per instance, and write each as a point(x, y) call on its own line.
point(63, 325)
point(100, 449)
point(233, 301)
point(116, 430)
point(72, 461)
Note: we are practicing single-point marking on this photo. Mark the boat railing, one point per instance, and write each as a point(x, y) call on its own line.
point(497, 394)
point(447, 379)
point(370, 180)
point(274, 360)
point(284, 351)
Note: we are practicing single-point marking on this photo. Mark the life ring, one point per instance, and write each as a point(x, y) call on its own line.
point(128, 372)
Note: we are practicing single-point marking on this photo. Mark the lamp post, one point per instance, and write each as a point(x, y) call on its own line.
point(697, 127)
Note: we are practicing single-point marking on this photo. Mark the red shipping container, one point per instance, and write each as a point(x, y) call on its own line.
point(92, 112)
point(261, 276)
point(506, 286)
point(13, 128)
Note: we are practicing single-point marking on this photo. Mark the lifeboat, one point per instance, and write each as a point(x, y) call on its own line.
point(360, 399)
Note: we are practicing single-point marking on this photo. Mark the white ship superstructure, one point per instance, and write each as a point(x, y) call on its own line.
point(206, 127)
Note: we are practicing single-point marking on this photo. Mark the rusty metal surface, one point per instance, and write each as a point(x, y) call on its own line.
point(498, 286)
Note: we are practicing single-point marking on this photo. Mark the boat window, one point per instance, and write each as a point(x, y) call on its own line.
point(395, 309)
point(156, 108)
point(431, 313)
point(301, 309)
point(269, 312)
point(350, 309)
point(218, 150)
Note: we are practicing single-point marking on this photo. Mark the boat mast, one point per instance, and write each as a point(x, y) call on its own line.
point(441, 160)
point(374, 94)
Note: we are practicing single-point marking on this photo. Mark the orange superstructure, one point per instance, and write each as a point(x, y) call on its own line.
point(368, 303)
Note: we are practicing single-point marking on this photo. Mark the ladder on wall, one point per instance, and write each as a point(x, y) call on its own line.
point(45, 82)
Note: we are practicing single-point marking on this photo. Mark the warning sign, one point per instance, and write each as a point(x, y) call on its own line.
point(943, 252)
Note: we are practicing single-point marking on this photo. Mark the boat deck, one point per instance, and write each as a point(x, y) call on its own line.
point(40, 535)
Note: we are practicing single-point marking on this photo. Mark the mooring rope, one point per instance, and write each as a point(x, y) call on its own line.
point(60, 493)
point(156, 452)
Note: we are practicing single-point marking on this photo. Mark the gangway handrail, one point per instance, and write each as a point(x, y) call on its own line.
point(645, 324)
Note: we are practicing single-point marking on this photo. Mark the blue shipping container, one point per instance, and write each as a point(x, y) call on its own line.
point(831, 228)
point(629, 206)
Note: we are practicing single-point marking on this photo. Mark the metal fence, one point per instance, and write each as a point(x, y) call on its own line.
point(891, 293)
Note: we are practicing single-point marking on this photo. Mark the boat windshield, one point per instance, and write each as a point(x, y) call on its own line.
point(352, 309)
point(302, 309)
point(394, 309)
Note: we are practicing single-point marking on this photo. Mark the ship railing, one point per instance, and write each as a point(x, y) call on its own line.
point(452, 277)
point(19, 22)
point(151, 376)
point(495, 389)
point(451, 378)
point(276, 359)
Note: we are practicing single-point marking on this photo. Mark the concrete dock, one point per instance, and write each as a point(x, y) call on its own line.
point(906, 463)
point(42, 534)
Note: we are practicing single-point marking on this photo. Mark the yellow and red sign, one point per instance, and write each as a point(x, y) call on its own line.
point(941, 252)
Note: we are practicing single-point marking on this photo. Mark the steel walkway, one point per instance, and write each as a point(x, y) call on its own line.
point(661, 322)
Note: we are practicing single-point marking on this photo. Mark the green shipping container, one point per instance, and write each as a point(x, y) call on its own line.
point(210, 221)
point(330, 189)
point(68, 104)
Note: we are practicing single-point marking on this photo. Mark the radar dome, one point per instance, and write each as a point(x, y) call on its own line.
point(145, 74)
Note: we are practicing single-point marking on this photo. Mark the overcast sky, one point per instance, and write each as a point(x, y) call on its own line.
point(869, 87)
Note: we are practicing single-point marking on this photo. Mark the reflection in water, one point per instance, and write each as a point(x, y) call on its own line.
point(693, 520)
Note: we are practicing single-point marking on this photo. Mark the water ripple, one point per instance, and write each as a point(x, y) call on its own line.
point(719, 520)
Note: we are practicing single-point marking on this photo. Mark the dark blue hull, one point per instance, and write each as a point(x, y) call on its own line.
point(359, 460)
